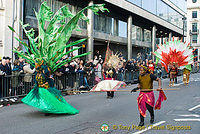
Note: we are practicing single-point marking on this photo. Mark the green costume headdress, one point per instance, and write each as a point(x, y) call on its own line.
point(53, 34)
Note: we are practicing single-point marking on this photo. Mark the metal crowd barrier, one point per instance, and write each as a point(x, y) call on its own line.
point(16, 85)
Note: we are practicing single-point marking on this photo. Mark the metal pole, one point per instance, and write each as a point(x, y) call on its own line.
point(13, 22)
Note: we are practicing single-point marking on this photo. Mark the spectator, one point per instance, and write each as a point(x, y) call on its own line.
point(8, 63)
point(21, 63)
point(28, 77)
point(98, 72)
point(80, 71)
point(1, 79)
point(96, 60)
point(136, 70)
point(9, 73)
point(5, 72)
point(15, 78)
point(129, 70)
point(66, 76)
point(72, 73)
point(59, 77)
point(89, 69)
point(159, 70)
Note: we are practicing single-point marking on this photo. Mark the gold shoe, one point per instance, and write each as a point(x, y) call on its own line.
point(172, 83)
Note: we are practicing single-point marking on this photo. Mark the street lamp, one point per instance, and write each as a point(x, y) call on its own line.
point(184, 18)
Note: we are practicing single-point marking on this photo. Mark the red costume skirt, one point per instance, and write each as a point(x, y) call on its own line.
point(148, 97)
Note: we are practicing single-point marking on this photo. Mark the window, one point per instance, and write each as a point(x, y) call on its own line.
point(194, 27)
point(194, 38)
point(194, 14)
point(194, 1)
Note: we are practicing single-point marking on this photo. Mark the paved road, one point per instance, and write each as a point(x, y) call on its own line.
point(122, 110)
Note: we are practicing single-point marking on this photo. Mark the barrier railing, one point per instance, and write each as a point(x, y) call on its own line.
point(20, 85)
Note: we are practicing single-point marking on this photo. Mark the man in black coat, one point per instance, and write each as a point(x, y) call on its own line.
point(4, 82)
point(8, 64)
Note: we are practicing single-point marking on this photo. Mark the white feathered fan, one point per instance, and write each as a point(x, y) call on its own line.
point(174, 52)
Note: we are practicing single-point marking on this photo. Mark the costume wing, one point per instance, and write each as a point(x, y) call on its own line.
point(53, 34)
point(174, 52)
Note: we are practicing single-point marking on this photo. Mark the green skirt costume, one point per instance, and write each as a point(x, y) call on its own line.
point(48, 101)
point(45, 51)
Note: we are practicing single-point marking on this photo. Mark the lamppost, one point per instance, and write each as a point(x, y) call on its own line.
point(184, 18)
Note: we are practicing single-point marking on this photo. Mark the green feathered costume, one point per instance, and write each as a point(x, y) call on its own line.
point(48, 48)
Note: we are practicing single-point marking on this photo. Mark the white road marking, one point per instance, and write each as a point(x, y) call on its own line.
point(189, 115)
point(150, 127)
point(191, 109)
point(188, 119)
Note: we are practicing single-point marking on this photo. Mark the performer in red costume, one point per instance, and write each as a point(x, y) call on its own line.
point(146, 97)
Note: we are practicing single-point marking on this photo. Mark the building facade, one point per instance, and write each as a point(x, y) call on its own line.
point(131, 26)
point(193, 25)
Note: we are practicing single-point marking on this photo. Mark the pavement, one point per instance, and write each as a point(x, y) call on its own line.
point(180, 114)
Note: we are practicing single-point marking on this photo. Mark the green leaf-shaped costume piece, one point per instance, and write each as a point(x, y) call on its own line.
point(47, 49)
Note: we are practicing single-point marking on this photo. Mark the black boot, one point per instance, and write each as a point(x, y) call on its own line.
point(152, 119)
point(141, 121)
point(141, 124)
point(46, 114)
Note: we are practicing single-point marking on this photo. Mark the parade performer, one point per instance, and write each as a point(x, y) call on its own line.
point(174, 53)
point(109, 83)
point(146, 98)
point(186, 74)
point(173, 71)
point(110, 74)
point(48, 48)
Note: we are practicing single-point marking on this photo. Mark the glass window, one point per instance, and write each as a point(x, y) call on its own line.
point(140, 34)
point(182, 4)
point(136, 2)
point(103, 23)
point(147, 35)
point(162, 10)
point(194, 38)
point(134, 32)
point(194, 1)
point(122, 29)
point(149, 5)
point(194, 14)
point(30, 5)
point(194, 27)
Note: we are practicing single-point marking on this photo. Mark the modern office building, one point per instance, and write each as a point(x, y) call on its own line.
point(131, 26)
point(193, 25)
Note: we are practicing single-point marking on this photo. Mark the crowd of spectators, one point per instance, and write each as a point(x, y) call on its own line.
point(17, 78)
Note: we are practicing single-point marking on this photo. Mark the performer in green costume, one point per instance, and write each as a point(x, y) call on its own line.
point(48, 48)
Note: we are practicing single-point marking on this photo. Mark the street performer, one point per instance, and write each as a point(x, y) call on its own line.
point(186, 74)
point(109, 84)
point(146, 98)
point(173, 71)
point(110, 74)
